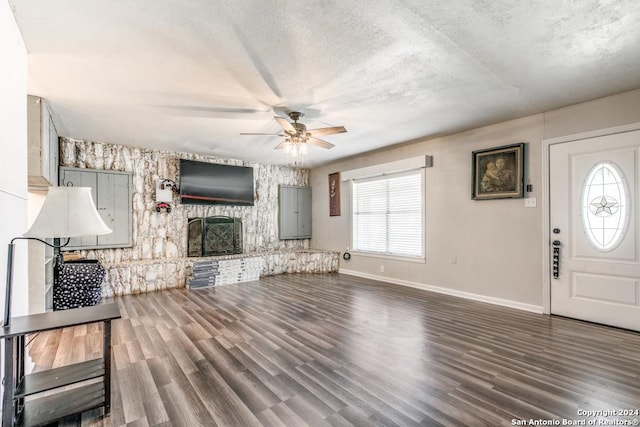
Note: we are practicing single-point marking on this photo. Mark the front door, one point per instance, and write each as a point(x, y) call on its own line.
point(594, 229)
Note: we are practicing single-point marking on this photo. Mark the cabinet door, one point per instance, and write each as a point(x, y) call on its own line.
point(111, 193)
point(80, 178)
point(54, 151)
point(295, 212)
point(114, 205)
point(288, 223)
point(43, 146)
point(304, 212)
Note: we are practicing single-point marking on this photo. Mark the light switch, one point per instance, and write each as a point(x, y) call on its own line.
point(530, 202)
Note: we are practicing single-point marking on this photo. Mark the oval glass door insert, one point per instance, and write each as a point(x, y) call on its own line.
point(605, 206)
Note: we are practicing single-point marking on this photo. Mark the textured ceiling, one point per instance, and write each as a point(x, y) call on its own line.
point(191, 76)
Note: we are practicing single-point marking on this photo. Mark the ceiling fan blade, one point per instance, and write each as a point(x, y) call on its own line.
point(267, 134)
point(213, 112)
point(327, 131)
point(284, 123)
point(212, 109)
point(281, 145)
point(320, 143)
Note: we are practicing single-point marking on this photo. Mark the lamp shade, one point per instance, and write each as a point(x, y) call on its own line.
point(68, 212)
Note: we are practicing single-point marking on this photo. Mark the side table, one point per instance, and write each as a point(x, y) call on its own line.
point(54, 406)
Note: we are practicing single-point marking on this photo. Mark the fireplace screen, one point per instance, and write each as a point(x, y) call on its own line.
point(214, 235)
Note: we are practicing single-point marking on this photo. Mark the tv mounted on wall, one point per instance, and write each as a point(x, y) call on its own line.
point(215, 184)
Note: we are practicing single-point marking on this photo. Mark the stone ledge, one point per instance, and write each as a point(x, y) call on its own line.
point(233, 256)
point(140, 276)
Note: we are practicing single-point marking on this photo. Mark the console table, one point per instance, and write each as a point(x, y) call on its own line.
point(57, 404)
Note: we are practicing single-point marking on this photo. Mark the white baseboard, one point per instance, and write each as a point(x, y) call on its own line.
point(467, 295)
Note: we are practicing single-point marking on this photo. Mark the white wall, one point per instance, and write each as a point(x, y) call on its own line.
point(611, 111)
point(491, 249)
point(13, 162)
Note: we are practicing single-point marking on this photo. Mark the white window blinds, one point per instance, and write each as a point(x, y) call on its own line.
point(387, 214)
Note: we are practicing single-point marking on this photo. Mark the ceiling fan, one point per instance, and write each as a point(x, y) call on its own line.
point(297, 133)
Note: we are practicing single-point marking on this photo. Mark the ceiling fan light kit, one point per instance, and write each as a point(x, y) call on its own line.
point(298, 138)
point(296, 150)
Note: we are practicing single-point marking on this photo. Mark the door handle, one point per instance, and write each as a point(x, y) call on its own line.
point(556, 258)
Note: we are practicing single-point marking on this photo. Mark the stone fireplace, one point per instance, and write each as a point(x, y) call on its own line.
point(214, 235)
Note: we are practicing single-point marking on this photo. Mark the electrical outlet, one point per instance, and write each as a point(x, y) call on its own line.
point(381, 268)
point(530, 202)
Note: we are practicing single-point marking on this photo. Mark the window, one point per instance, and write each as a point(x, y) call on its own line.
point(387, 215)
point(605, 206)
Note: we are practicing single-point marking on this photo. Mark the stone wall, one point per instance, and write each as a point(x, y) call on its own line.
point(300, 261)
point(159, 239)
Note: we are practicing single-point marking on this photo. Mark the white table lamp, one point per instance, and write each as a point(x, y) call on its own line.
point(67, 212)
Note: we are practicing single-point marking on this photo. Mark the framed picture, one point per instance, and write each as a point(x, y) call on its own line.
point(334, 194)
point(498, 172)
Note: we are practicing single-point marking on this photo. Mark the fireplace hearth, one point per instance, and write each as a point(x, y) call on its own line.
point(214, 235)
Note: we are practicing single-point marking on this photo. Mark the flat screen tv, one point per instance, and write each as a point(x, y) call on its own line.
point(215, 184)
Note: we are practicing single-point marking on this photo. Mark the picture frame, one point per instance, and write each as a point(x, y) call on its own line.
point(498, 173)
point(334, 194)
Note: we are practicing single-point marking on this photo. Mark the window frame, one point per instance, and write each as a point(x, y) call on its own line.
point(400, 257)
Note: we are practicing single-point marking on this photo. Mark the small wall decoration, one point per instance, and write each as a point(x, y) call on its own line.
point(164, 194)
point(334, 194)
point(498, 172)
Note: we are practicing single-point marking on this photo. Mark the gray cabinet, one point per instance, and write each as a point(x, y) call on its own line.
point(43, 146)
point(111, 191)
point(295, 212)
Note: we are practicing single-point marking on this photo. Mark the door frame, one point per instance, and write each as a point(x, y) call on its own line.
point(546, 206)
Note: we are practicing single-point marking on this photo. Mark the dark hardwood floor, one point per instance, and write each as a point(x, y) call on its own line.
point(338, 350)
